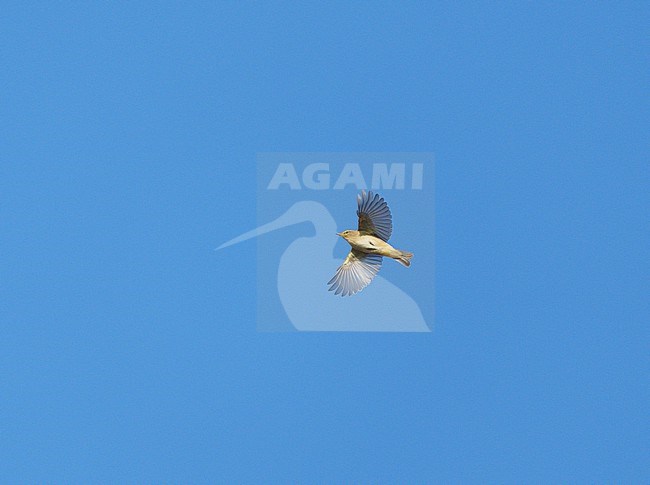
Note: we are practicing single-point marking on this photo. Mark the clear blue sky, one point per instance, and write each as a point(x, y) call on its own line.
point(128, 348)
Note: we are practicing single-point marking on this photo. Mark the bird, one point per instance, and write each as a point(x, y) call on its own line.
point(369, 245)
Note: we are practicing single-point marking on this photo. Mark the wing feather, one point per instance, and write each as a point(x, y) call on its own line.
point(374, 215)
point(356, 272)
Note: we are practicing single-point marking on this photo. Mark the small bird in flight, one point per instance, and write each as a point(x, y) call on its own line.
point(369, 244)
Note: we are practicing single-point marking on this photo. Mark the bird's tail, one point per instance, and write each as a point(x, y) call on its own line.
point(404, 258)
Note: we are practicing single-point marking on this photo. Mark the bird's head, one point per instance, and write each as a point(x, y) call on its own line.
point(347, 234)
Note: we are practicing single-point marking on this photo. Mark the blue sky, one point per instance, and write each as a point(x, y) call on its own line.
point(128, 348)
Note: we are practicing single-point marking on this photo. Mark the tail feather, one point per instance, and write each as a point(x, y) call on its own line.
point(404, 258)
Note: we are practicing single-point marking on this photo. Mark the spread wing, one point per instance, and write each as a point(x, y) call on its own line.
point(374, 215)
point(356, 272)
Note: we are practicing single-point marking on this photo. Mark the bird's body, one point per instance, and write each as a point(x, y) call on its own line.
point(369, 244)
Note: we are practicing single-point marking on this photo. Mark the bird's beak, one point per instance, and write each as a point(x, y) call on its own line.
point(339, 234)
point(286, 219)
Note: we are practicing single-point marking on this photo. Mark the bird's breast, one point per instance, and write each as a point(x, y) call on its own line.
point(369, 244)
